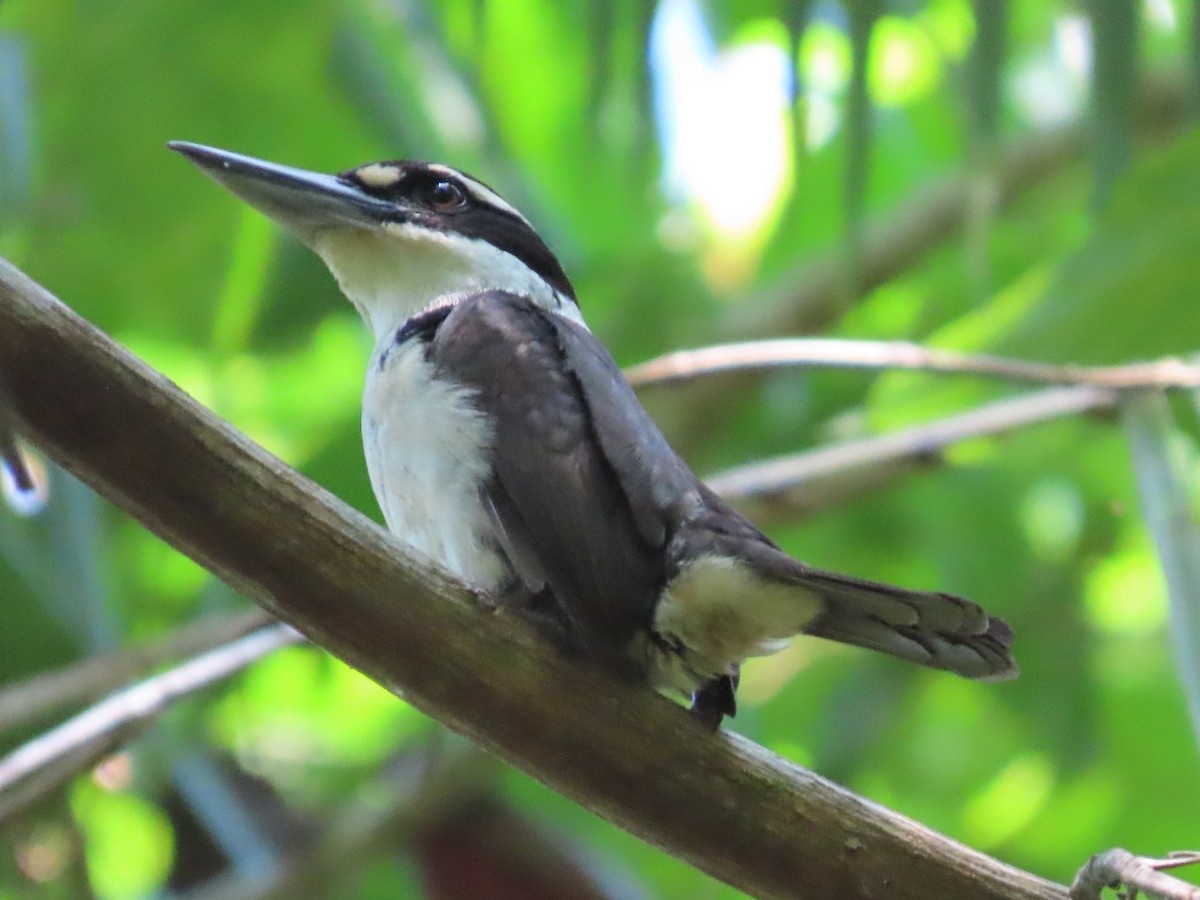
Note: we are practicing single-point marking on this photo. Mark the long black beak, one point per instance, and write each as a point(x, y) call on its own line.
point(301, 201)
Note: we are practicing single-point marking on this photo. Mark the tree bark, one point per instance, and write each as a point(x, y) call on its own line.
point(720, 802)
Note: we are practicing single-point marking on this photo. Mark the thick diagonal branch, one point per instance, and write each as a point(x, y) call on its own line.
point(720, 802)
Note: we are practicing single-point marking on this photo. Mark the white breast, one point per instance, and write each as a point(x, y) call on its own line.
point(427, 449)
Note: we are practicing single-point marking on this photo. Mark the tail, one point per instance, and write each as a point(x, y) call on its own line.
point(941, 631)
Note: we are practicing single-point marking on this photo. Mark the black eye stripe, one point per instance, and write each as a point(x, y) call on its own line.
point(390, 182)
point(479, 212)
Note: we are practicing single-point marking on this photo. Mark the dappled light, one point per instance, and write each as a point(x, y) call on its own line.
point(995, 188)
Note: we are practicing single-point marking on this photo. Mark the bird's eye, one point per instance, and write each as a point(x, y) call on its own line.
point(445, 195)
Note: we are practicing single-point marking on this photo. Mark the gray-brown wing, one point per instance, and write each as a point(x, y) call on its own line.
point(558, 503)
point(589, 498)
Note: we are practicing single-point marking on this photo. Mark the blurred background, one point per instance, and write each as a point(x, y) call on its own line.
point(1019, 178)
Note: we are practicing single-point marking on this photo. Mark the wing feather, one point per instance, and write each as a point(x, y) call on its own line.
point(562, 512)
point(587, 497)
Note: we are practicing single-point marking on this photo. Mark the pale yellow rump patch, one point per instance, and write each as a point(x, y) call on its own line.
point(723, 611)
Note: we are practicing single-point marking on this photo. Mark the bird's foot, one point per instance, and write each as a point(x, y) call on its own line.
point(715, 700)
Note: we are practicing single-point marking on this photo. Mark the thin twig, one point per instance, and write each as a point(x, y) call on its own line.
point(808, 482)
point(686, 365)
point(1116, 867)
point(719, 802)
point(49, 779)
point(113, 719)
point(39, 696)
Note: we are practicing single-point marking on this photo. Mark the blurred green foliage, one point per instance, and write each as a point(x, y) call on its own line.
point(562, 107)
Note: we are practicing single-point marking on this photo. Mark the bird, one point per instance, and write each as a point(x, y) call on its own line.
point(503, 442)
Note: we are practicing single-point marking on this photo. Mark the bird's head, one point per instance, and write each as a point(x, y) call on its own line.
point(402, 236)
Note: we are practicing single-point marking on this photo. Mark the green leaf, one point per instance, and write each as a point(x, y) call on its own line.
point(1115, 26)
point(130, 843)
point(16, 129)
point(985, 71)
point(1131, 290)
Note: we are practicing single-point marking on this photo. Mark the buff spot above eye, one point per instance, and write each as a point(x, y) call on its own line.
point(377, 176)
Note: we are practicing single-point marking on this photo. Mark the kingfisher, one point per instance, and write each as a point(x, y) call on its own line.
point(503, 442)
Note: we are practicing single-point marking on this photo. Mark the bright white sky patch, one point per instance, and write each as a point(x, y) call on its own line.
point(1051, 88)
point(1073, 41)
point(724, 119)
point(1161, 14)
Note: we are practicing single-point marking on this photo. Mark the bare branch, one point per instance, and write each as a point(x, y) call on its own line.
point(36, 698)
point(686, 365)
point(98, 728)
point(719, 801)
point(805, 483)
point(51, 777)
point(1116, 867)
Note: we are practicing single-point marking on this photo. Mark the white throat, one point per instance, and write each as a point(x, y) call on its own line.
point(394, 273)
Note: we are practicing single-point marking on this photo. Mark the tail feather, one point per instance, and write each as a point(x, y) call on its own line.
point(941, 631)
